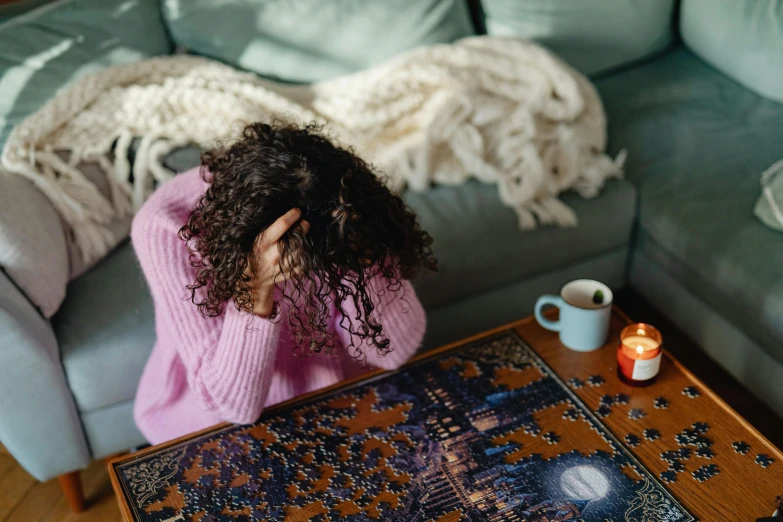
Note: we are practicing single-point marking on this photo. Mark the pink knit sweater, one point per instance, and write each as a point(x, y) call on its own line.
point(228, 368)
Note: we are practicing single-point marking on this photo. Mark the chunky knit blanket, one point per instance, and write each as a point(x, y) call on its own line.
point(502, 111)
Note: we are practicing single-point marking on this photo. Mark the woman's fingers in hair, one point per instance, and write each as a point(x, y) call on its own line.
point(268, 250)
point(273, 234)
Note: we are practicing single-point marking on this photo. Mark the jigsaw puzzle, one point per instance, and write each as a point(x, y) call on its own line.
point(484, 432)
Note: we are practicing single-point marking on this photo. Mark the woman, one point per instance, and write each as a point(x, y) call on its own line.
point(280, 267)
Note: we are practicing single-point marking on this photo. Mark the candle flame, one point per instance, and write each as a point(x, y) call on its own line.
point(640, 331)
point(639, 349)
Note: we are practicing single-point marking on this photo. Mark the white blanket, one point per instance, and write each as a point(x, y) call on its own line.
point(503, 111)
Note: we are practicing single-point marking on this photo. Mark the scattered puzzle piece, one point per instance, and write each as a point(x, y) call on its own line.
point(632, 440)
point(660, 403)
point(595, 380)
point(670, 456)
point(607, 400)
point(764, 460)
point(691, 392)
point(740, 447)
point(705, 453)
point(621, 398)
point(669, 476)
point(700, 427)
point(683, 439)
point(603, 411)
point(689, 437)
point(571, 414)
point(677, 466)
point(674, 459)
point(652, 434)
point(705, 472)
point(636, 414)
point(576, 383)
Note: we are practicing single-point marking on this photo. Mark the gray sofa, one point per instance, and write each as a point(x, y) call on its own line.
point(679, 230)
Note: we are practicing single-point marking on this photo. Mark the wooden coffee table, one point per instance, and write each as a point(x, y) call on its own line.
point(742, 489)
point(676, 436)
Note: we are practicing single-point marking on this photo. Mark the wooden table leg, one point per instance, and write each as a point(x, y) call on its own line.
point(71, 484)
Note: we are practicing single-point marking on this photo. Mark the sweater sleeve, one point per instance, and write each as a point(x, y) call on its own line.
point(402, 317)
point(229, 359)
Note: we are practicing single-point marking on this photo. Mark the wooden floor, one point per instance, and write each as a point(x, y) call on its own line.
point(22, 499)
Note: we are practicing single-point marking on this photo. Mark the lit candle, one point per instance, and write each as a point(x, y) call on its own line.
point(639, 354)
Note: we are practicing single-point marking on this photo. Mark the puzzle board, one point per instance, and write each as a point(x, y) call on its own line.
point(483, 432)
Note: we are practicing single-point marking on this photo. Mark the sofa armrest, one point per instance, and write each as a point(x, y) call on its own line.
point(39, 423)
point(33, 248)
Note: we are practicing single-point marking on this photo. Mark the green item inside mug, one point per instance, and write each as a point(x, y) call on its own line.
point(598, 297)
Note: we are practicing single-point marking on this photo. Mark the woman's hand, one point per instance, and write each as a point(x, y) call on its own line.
point(266, 252)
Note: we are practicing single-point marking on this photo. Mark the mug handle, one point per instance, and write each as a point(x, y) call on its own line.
point(544, 300)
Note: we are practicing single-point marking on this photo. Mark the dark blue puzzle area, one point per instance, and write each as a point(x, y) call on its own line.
point(484, 432)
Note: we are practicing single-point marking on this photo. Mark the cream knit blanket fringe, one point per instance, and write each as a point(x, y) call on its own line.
point(503, 111)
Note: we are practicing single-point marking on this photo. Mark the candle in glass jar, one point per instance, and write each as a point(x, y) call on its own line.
point(639, 354)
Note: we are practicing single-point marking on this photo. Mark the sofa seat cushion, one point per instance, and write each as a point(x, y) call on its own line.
point(106, 329)
point(106, 324)
point(698, 143)
point(480, 247)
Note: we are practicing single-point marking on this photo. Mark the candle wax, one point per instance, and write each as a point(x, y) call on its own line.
point(635, 341)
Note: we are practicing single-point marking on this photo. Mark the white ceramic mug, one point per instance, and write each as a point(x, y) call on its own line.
point(583, 323)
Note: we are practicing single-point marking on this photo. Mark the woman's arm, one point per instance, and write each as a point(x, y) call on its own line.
point(401, 315)
point(229, 359)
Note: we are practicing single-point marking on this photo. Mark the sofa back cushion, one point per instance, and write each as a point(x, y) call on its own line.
point(310, 40)
point(741, 38)
point(594, 35)
point(50, 45)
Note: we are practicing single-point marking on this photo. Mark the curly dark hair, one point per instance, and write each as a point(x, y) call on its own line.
point(359, 229)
